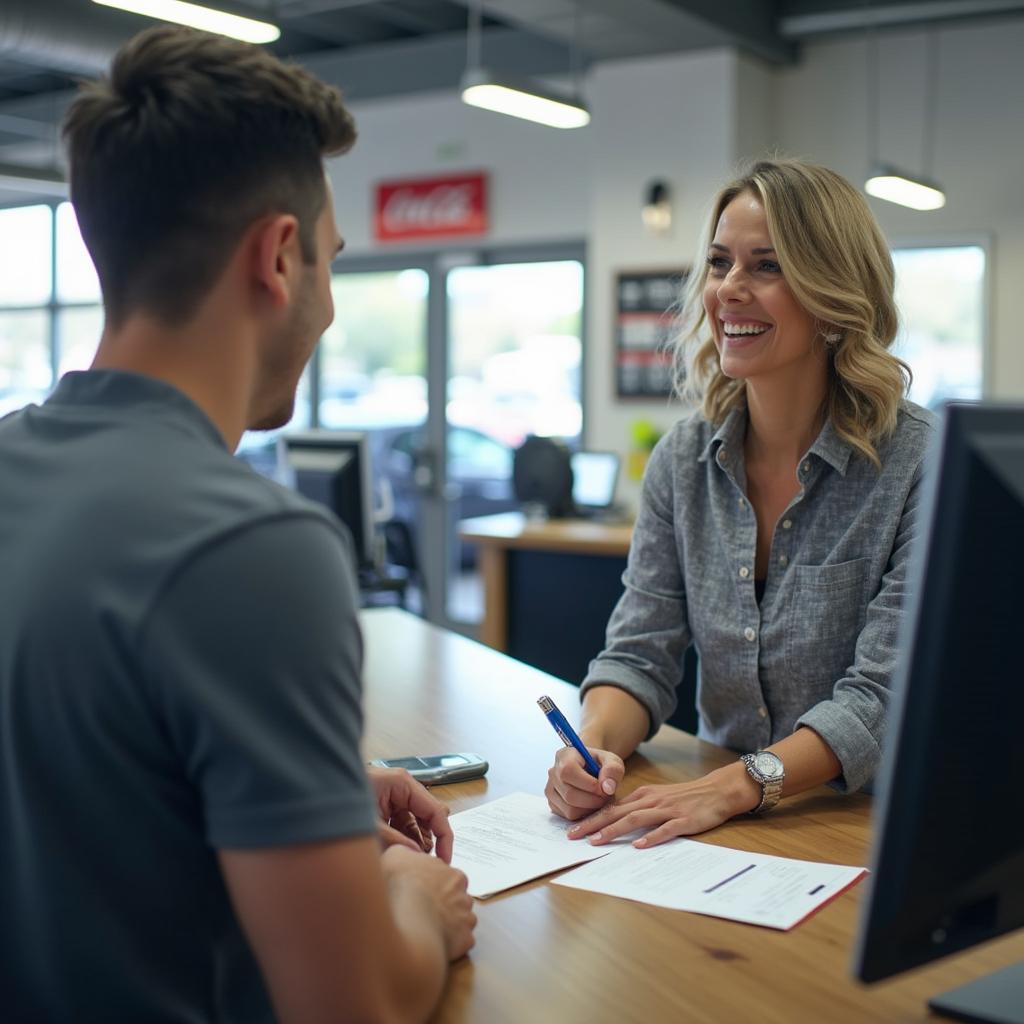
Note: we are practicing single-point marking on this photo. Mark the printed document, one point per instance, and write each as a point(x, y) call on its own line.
point(512, 840)
point(683, 874)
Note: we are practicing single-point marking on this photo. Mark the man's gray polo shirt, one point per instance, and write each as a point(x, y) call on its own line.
point(179, 672)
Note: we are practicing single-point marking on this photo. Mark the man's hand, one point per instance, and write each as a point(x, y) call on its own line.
point(409, 815)
point(443, 887)
point(572, 791)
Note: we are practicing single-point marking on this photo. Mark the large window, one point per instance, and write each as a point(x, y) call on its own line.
point(515, 349)
point(940, 291)
point(50, 312)
point(373, 358)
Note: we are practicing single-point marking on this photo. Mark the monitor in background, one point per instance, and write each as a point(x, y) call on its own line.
point(333, 468)
point(594, 476)
point(542, 476)
point(948, 859)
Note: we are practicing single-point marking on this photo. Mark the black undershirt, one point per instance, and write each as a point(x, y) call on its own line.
point(759, 589)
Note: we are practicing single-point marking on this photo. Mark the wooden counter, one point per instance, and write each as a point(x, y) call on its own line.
point(546, 953)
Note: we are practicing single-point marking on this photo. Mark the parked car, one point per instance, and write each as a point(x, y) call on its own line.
point(480, 467)
point(479, 471)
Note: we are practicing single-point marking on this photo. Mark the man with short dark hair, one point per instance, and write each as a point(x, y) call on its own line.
point(187, 832)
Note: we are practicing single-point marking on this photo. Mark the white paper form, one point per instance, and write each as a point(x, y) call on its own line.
point(775, 892)
point(512, 840)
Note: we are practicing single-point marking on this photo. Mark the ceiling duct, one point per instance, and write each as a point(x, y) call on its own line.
point(56, 36)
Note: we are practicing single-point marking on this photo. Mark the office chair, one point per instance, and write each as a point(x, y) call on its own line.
point(401, 568)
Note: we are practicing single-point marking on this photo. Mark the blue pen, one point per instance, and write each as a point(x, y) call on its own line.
point(568, 734)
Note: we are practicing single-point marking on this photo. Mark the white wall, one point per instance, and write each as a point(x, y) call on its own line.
point(539, 176)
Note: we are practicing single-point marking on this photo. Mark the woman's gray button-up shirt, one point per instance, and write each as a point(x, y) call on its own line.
point(820, 649)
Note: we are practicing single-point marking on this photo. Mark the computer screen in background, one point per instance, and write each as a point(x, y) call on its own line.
point(948, 859)
point(594, 475)
point(333, 469)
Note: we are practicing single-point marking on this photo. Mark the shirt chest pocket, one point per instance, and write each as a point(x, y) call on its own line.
point(826, 612)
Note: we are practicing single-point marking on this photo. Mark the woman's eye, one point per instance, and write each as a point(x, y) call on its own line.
point(769, 266)
point(718, 264)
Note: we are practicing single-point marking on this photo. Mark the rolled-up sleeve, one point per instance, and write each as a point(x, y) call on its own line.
point(648, 631)
point(853, 721)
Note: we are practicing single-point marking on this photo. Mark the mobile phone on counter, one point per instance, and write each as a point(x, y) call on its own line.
point(437, 769)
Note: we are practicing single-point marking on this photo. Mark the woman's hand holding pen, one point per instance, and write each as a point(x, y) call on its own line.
point(572, 792)
point(680, 809)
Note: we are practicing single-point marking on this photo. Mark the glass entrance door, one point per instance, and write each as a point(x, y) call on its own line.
point(447, 366)
point(514, 369)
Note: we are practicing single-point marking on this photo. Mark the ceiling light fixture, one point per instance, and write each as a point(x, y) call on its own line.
point(918, 192)
point(898, 187)
point(481, 88)
point(194, 15)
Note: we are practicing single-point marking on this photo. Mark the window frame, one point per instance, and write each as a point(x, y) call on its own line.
point(52, 307)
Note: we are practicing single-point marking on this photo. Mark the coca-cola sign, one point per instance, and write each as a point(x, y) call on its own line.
point(431, 207)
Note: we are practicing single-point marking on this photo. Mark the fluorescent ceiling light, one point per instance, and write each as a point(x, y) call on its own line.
point(481, 89)
point(220, 22)
point(897, 187)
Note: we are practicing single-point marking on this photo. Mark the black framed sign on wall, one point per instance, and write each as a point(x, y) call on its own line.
point(645, 323)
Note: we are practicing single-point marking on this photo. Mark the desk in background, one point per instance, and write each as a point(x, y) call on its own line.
point(546, 953)
point(549, 588)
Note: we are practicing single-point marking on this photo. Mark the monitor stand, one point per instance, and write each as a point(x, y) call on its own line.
point(994, 999)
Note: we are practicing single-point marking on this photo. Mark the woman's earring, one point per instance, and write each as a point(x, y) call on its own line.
point(832, 338)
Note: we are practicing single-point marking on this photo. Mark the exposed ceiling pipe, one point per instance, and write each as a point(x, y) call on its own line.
point(42, 181)
point(883, 14)
point(56, 36)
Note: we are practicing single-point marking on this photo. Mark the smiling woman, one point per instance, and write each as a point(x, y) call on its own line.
point(775, 523)
point(757, 324)
point(814, 252)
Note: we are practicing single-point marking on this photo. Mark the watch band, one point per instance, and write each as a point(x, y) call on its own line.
point(771, 785)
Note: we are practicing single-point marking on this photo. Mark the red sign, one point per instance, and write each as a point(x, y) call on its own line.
point(431, 207)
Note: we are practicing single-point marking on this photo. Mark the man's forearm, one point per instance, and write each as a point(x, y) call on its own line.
point(613, 720)
point(423, 963)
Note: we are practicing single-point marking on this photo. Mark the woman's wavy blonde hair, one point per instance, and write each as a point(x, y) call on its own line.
point(838, 265)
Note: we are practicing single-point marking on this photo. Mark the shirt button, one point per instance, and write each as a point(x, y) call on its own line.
point(806, 467)
point(763, 712)
point(742, 503)
point(787, 524)
point(749, 633)
point(744, 572)
point(721, 455)
point(783, 560)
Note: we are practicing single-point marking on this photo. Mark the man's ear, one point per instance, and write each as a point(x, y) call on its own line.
point(276, 257)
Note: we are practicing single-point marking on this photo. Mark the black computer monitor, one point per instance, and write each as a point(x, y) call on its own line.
point(333, 468)
point(948, 858)
point(542, 475)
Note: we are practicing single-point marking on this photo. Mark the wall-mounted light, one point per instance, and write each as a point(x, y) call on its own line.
point(196, 16)
point(656, 211)
point(523, 99)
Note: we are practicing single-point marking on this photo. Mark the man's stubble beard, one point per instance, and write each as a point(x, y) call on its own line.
point(280, 375)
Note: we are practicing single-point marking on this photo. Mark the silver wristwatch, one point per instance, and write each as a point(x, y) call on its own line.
point(766, 769)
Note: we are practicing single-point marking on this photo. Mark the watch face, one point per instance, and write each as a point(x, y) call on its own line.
point(768, 764)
